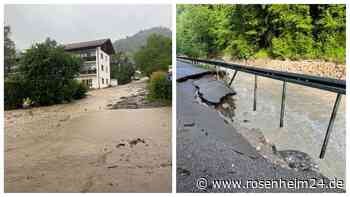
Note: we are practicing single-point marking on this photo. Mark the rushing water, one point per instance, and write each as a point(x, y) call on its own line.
point(306, 119)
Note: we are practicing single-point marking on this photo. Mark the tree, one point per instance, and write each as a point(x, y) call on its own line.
point(194, 31)
point(9, 51)
point(155, 56)
point(294, 31)
point(121, 68)
point(48, 73)
point(331, 32)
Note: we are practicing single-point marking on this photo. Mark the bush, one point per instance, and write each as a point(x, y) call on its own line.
point(240, 49)
point(74, 90)
point(155, 55)
point(80, 91)
point(14, 94)
point(48, 73)
point(159, 86)
point(262, 53)
point(122, 68)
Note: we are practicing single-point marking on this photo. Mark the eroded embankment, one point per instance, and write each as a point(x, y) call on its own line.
point(216, 94)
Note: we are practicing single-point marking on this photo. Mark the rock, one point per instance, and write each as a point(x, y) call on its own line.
point(298, 160)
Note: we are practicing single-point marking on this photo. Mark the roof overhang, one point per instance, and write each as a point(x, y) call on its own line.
point(105, 44)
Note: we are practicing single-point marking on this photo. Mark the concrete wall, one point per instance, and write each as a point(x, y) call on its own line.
point(103, 68)
point(102, 77)
point(92, 77)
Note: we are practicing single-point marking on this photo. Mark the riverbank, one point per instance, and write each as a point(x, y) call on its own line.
point(310, 67)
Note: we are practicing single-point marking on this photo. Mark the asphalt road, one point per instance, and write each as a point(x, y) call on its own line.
point(209, 148)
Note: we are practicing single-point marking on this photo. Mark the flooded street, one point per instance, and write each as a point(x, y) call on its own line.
point(86, 147)
point(307, 115)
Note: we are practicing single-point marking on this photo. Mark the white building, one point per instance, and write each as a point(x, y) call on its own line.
point(95, 72)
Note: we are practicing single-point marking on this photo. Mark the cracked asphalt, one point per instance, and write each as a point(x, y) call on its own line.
point(210, 148)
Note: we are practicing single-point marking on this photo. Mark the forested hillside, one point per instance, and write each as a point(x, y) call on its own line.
point(131, 44)
point(254, 31)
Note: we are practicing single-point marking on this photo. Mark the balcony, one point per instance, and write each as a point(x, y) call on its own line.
point(88, 68)
point(89, 58)
point(87, 72)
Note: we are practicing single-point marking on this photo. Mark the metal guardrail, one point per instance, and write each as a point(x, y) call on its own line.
point(328, 84)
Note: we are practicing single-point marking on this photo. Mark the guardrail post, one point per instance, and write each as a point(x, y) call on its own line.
point(255, 89)
point(233, 77)
point(330, 125)
point(283, 104)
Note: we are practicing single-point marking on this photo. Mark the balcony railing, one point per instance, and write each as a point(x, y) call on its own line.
point(89, 58)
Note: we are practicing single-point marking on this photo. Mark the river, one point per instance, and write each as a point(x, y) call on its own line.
point(307, 115)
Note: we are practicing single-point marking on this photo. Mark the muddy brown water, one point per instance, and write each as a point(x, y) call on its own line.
point(307, 116)
point(85, 147)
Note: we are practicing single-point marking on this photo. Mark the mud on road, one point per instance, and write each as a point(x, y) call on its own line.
point(86, 147)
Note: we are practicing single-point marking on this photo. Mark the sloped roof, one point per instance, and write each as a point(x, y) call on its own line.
point(105, 44)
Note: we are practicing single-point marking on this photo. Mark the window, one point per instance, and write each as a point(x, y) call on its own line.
point(101, 56)
point(89, 83)
point(103, 80)
point(107, 81)
point(101, 67)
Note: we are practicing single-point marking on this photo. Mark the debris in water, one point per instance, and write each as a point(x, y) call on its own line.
point(297, 160)
point(135, 101)
point(189, 124)
point(113, 166)
point(138, 140)
point(65, 118)
point(120, 145)
point(183, 172)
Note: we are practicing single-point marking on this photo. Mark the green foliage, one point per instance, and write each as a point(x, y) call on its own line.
point(294, 31)
point(80, 90)
point(14, 93)
point(159, 86)
point(193, 31)
point(27, 101)
point(132, 44)
point(9, 51)
point(240, 48)
point(74, 89)
point(121, 68)
point(48, 73)
point(262, 53)
point(331, 34)
point(156, 55)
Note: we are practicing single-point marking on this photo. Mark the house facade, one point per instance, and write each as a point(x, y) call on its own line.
point(95, 72)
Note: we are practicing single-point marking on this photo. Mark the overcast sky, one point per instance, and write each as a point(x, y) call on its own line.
point(75, 23)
